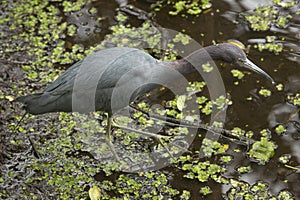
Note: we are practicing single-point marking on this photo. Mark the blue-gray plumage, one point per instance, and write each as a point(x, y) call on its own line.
point(92, 81)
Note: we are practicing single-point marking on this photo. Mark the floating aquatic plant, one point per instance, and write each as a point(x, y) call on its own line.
point(262, 150)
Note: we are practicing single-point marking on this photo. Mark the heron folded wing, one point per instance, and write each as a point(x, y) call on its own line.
point(65, 78)
point(103, 69)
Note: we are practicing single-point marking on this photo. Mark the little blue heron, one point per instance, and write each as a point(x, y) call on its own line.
point(112, 64)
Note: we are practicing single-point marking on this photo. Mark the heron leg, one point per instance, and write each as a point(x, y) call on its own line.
point(108, 128)
point(108, 137)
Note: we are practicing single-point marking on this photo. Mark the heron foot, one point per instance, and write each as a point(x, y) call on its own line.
point(159, 138)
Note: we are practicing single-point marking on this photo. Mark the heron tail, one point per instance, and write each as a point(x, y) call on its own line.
point(31, 103)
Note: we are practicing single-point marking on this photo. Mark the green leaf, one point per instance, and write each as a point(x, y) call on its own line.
point(262, 150)
point(95, 193)
point(180, 102)
point(237, 73)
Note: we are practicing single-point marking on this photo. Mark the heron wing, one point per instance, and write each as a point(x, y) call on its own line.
point(101, 70)
point(64, 78)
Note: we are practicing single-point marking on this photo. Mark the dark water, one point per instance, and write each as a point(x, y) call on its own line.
point(261, 112)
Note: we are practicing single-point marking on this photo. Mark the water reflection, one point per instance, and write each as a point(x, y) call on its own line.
point(293, 84)
point(242, 5)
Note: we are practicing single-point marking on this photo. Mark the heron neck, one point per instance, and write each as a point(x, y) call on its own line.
point(196, 59)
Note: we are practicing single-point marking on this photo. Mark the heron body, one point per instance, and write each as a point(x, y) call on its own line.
point(106, 69)
point(90, 83)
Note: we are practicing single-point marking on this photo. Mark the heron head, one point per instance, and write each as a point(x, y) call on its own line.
point(232, 53)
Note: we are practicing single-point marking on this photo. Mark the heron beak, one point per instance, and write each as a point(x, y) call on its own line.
point(250, 65)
